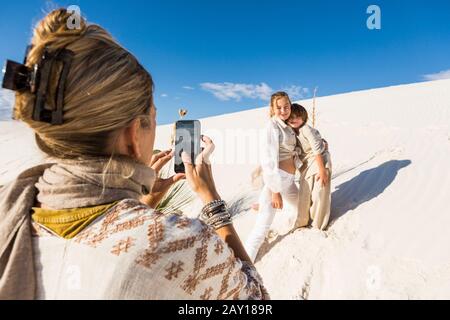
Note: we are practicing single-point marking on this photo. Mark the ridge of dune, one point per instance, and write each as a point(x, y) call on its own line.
point(388, 238)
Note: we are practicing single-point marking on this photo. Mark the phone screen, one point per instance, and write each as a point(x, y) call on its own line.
point(187, 138)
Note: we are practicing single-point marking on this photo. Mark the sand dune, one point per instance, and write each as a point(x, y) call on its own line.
point(389, 236)
point(6, 98)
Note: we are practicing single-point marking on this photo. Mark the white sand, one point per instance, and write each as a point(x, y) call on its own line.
point(390, 235)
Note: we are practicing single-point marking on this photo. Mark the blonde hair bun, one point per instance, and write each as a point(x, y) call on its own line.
point(106, 88)
point(55, 28)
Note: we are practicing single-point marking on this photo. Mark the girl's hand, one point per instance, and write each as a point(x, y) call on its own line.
point(161, 186)
point(277, 201)
point(323, 176)
point(200, 176)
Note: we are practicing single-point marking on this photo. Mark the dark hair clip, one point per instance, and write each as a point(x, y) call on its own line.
point(16, 76)
point(45, 69)
point(19, 77)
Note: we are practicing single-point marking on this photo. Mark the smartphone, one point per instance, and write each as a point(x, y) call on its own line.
point(187, 138)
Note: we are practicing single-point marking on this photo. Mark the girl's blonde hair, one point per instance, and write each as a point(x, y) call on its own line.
point(273, 101)
point(106, 89)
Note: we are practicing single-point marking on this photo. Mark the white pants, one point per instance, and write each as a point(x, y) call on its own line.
point(266, 214)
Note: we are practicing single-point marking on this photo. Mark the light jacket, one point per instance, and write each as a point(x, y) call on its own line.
point(312, 145)
point(278, 143)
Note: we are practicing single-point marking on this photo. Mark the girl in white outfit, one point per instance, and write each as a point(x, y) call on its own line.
point(280, 158)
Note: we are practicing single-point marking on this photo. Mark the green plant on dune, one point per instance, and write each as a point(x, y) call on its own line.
point(177, 199)
point(179, 195)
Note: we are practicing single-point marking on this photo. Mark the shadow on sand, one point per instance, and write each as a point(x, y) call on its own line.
point(364, 187)
point(349, 195)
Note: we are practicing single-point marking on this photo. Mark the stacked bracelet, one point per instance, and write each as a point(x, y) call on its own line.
point(213, 206)
point(216, 214)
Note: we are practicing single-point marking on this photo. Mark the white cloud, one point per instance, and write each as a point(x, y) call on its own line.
point(164, 95)
point(296, 92)
point(236, 91)
point(438, 76)
point(188, 88)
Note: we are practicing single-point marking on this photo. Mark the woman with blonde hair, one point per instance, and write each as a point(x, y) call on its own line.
point(280, 160)
point(82, 225)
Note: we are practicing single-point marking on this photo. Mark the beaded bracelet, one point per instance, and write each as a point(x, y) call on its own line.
point(219, 217)
point(216, 214)
point(213, 204)
point(214, 211)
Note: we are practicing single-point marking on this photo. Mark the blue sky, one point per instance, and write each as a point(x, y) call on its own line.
point(215, 57)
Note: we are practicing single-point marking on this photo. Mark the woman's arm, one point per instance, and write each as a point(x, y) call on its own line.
point(230, 236)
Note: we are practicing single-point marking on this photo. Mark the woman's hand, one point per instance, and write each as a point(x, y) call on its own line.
point(323, 176)
point(200, 176)
point(277, 201)
point(161, 186)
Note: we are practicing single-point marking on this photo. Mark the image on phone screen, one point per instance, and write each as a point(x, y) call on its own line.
point(187, 138)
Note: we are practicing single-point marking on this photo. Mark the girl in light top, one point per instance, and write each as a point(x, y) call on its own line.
point(314, 198)
point(280, 158)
